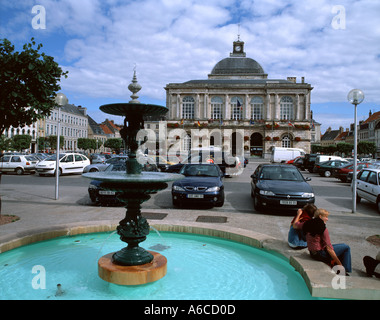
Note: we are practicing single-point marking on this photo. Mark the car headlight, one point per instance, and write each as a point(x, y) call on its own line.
point(178, 188)
point(308, 195)
point(213, 189)
point(267, 193)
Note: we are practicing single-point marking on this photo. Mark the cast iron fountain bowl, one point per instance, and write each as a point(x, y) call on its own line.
point(130, 109)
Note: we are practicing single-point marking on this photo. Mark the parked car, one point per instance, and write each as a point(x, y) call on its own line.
point(103, 166)
point(325, 169)
point(344, 173)
point(162, 163)
point(102, 195)
point(203, 184)
point(367, 186)
point(68, 163)
point(227, 163)
point(19, 164)
point(309, 161)
point(280, 186)
point(298, 162)
point(97, 158)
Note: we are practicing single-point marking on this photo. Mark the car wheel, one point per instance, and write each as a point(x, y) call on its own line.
point(60, 172)
point(175, 202)
point(94, 170)
point(256, 203)
point(19, 171)
point(220, 203)
point(327, 173)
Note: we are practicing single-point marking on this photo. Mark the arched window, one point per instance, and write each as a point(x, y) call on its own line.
point(286, 142)
point(188, 108)
point(216, 108)
point(236, 108)
point(286, 108)
point(257, 104)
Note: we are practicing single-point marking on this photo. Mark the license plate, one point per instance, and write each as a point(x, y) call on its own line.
point(195, 196)
point(288, 202)
point(107, 193)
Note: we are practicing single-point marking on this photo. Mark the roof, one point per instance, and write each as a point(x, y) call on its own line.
point(373, 117)
point(237, 66)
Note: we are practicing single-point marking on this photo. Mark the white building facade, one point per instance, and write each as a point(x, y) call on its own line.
point(239, 102)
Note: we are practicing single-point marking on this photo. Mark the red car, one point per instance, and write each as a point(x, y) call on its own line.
point(343, 172)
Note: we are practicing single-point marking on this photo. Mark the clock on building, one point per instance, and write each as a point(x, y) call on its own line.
point(238, 47)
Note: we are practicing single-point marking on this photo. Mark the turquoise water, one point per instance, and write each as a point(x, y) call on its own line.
point(199, 267)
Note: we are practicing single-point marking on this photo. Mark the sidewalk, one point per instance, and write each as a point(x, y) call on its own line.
point(42, 218)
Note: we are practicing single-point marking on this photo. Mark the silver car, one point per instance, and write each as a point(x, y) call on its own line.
point(96, 167)
point(19, 164)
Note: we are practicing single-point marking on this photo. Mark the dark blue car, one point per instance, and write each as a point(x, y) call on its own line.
point(280, 186)
point(203, 184)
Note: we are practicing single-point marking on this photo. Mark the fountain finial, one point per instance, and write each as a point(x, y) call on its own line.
point(134, 87)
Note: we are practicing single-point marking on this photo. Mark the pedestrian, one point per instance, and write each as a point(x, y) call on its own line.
point(319, 244)
point(372, 266)
point(296, 237)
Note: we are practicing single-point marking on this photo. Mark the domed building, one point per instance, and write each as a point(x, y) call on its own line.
point(240, 109)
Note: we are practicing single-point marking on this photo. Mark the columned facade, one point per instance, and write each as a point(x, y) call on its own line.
point(238, 98)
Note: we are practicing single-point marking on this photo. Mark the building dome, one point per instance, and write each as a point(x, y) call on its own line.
point(237, 66)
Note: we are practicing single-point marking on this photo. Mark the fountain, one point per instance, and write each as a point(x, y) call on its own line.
point(133, 265)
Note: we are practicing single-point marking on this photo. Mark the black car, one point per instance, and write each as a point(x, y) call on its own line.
point(203, 184)
point(309, 162)
point(227, 163)
point(103, 196)
point(325, 169)
point(280, 186)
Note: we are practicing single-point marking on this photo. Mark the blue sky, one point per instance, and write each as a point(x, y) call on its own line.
point(335, 45)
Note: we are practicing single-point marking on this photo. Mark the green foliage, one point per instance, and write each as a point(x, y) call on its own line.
point(21, 142)
point(367, 148)
point(115, 144)
point(29, 81)
point(87, 144)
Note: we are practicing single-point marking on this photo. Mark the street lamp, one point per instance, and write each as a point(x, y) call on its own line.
point(61, 100)
point(355, 96)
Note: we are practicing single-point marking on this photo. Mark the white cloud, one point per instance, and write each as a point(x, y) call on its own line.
point(177, 41)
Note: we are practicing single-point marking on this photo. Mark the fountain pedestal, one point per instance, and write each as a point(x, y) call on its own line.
point(132, 275)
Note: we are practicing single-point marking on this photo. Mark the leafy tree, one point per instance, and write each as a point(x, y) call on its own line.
point(21, 141)
point(366, 147)
point(52, 141)
point(345, 148)
point(114, 143)
point(87, 144)
point(29, 81)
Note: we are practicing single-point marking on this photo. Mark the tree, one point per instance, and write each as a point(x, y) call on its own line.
point(367, 148)
point(87, 144)
point(114, 143)
point(52, 141)
point(29, 81)
point(21, 142)
point(345, 148)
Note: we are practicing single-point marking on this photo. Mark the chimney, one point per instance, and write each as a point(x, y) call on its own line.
point(302, 79)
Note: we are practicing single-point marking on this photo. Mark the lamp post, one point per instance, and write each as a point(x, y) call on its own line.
point(61, 100)
point(355, 96)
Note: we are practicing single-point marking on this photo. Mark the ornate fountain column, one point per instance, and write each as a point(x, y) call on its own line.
point(133, 188)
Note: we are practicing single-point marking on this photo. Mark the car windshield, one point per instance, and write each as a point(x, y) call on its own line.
point(280, 173)
point(199, 171)
point(54, 157)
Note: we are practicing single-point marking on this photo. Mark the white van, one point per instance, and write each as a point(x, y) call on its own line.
point(284, 154)
point(322, 158)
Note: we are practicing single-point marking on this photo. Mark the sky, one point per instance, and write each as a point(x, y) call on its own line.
point(335, 45)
